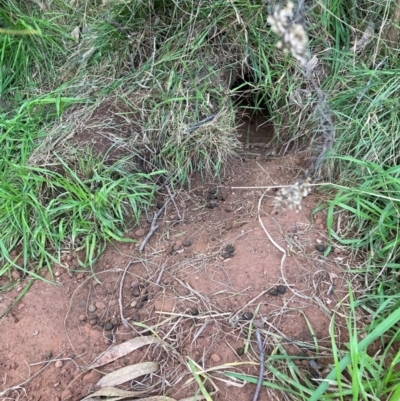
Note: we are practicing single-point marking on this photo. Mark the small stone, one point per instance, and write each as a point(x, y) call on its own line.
point(240, 351)
point(91, 308)
point(321, 227)
point(215, 358)
point(114, 321)
point(68, 258)
point(170, 249)
point(140, 232)
point(320, 248)
point(79, 276)
point(187, 243)
point(58, 364)
point(336, 251)
point(16, 275)
point(136, 290)
point(182, 205)
point(93, 322)
point(100, 305)
point(133, 304)
point(247, 316)
point(228, 208)
point(101, 324)
point(57, 273)
point(21, 306)
point(82, 318)
point(273, 292)
point(108, 326)
point(281, 289)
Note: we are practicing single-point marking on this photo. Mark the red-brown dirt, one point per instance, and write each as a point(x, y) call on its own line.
point(201, 297)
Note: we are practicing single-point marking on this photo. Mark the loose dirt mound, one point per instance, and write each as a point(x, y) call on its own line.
point(203, 284)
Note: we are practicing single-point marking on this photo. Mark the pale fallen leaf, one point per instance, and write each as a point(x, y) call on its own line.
point(76, 33)
point(160, 398)
point(124, 349)
point(113, 393)
point(127, 373)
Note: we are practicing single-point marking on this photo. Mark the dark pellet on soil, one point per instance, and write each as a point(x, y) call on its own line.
point(194, 312)
point(221, 198)
point(211, 205)
point(230, 248)
point(209, 388)
point(320, 248)
point(170, 250)
point(136, 290)
point(281, 289)
point(226, 255)
point(93, 322)
point(108, 326)
point(48, 355)
point(240, 351)
point(101, 324)
point(187, 243)
point(139, 305)
point(247, 316)
point(110, 337)
point(273, 291)
point(145, 298)
point(213, 191)
point(136, 317)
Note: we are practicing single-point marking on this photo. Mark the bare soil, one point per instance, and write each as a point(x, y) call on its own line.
point(203, 284)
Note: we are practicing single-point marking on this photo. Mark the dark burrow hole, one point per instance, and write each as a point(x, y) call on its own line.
point(255, 128)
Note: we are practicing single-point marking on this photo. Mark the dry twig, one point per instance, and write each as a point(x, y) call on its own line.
point(261, 373)
point(154, 225)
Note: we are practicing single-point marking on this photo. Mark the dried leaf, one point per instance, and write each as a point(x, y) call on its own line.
point(123, 349)
point(127, 373)
point(76, 33)
point(113, 393)
point(159, 398)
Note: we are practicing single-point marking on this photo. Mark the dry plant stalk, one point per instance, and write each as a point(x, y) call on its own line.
point(289, 25)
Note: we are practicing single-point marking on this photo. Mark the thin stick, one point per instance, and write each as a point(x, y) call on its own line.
point(277, 246)
point(262, 361)
point(282, 186)
point(123, 320)
point(154, 225)
point(173, 201)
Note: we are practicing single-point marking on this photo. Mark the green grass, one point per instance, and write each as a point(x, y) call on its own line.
point(143, 73)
